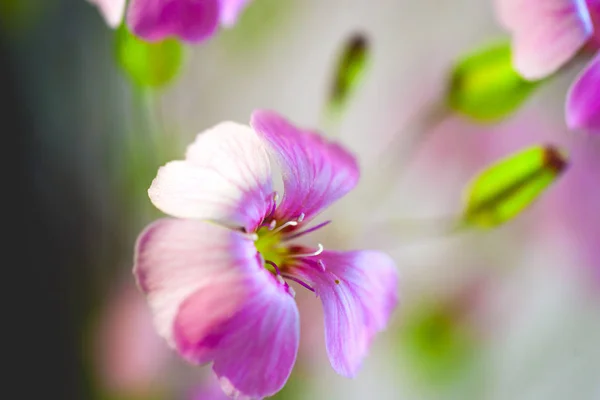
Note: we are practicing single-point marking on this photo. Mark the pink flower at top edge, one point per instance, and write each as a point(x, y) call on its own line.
point(111, 10)
point(216, 276)
point(546, 35)
point(190, 20)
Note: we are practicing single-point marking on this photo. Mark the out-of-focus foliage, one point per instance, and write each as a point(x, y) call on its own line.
point(148, 64)
point(16, 15)
point(295, 387)
point(485, 87)
point(349, 71)
point(506, 188)
point(438, 343)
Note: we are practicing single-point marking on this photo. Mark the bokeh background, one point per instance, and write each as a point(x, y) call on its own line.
point(511, 313)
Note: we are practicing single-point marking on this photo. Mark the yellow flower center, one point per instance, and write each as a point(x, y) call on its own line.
point(271, 248)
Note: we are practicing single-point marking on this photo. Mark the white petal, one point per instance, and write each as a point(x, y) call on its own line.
point(226, 177)
point(112, 11)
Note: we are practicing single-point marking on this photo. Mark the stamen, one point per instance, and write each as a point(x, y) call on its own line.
point(290, 290)
point(272, 225)
point(321, 264)
point(300, 217)
point(316, 253)
point(282, 227)
point(274, 205)
point(280, 277)
point(300, 282)
point(304, 232)
point(272, 264)
point(318, 265)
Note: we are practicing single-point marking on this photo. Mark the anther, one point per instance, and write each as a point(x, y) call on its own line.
point(274, 205)
point(321, 264)
point(300, 217)
point(272, 225)
point(290, 290)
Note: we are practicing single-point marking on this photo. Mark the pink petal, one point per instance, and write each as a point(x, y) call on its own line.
point(358, 306)
point(209, 389)
point(112, 11)
point(226, 177)
point(315, 172)
point(583, 100)
point(190, 20)
point(255, 348)
point(230, 10)
point(546, 33)
point(176, 259)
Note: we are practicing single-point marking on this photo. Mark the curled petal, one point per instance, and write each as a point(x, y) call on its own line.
point(255, 348)
point(546, 33)
point(190, 20)
point(175, 259)
point(112, 11)
point(583, 100)
point(230, 10)
point(359, 292)
point(226, 177)
point(316, 172)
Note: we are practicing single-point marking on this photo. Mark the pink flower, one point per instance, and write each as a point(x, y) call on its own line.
point(112, 11)
point(190, 20)
point(216, 276)
point(130, 356)
point(546, 35)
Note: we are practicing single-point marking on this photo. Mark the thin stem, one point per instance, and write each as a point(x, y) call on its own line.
point(411, 229)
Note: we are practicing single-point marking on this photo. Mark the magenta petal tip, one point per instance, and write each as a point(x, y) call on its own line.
point(190, 20)
point(583, 100)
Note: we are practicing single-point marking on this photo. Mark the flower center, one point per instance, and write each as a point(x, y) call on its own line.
point(270, 246)
point(277, 256)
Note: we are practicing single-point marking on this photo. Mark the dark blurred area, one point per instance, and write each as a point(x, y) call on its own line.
point(51, 215)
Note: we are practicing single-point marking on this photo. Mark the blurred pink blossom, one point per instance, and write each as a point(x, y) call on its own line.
point(546, 35)
point(130, 355)
point(190, 20)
